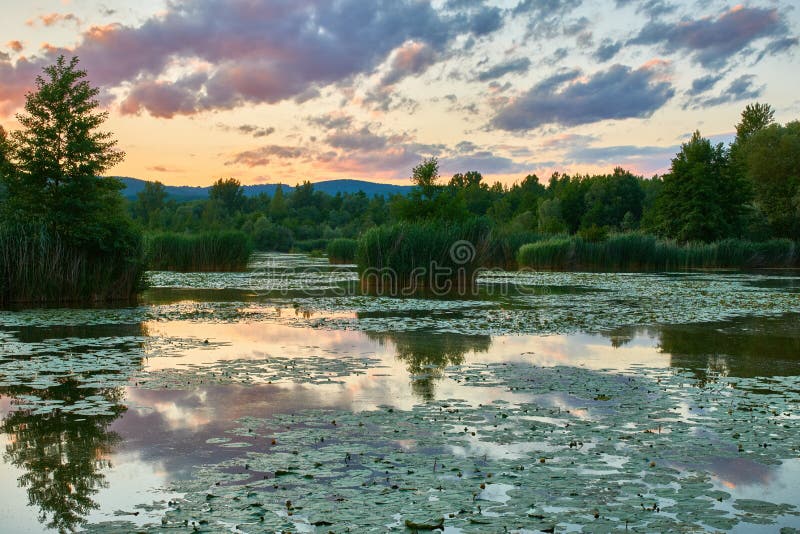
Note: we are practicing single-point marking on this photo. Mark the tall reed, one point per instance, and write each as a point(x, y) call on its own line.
point(211, 251)
point(37, 266)
point(640, 252)
point(342, 250)
point(427, 256)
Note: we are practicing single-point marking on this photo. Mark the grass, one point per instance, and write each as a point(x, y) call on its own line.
point(436, 257)
point(342, 250)
point(210, 251)
point(38, 267)
point(640, 252)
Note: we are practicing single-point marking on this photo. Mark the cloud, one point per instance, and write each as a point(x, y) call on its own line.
point(51, 19)
point(362, 140)
point(248, 129)
point(332, 121)
point(264, 52)
point(161, 168)
point(15, 45)
point(263, 155)
point(617, 93)
point(161, 99)
point(607, 50)
point(544, 17)
point(651, 8)
point(519, 65)
point(778, 46)
point(704, 83)
point(713, 41)
point(410, 59)
point(482, 161)
point(741, 88)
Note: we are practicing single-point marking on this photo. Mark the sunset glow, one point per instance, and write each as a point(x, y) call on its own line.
point(283, 91)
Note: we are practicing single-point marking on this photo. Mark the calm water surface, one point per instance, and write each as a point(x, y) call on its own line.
point(104, 412)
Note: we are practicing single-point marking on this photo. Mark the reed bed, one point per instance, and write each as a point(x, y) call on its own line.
point(38, 267)
point(640, 252)
point(211, 251)
point(342, 250)
point(436, 257)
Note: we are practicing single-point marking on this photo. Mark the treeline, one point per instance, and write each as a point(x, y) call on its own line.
point(748, 190)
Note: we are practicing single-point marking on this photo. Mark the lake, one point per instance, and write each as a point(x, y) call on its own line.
point(283, 399)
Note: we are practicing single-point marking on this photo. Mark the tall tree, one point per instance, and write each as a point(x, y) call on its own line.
point(772, 163)
point(58, 156)
point(425, 175)
point(229, 194)
point(701, 200)
point(755, 118)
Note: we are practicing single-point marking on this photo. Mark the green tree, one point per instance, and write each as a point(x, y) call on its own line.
point(755, 118)
point(228, 194)
point(277, 205)
point(771, 159)
point(58, 156)
point(702, 200)
point(425, 175)
point(149, 203)
point(613, 199)
point(5, 165)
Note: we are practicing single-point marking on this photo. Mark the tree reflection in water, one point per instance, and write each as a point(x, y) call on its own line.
point(743, 347)
point(426, 354)
point(63, 455)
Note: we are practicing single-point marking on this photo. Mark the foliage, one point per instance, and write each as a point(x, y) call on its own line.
point(37, 266)
point(432, 255)
point(771, 158)
point(217, 251)
point(228, 194)
point(641, 252)
point(425, 175)
point(342, 250)
point(150, 202)
point(702, 199)
point(268, 235)
point(55, 198)
point(58, 157)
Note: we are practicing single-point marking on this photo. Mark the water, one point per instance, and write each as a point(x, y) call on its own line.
point(282, 399)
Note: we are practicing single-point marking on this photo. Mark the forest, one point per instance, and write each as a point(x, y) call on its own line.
point(719, 206)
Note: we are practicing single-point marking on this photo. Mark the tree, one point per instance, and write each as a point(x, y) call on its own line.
point(701, 200)
point(5, 165)
point(277, 205)
point(755, 117)
point(229, 194)
point(425, 175)
point(771, 159)
point(59, 155)
point(149, 202)
point(612, 198)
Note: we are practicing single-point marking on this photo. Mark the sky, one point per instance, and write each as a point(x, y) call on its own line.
point(290, 90)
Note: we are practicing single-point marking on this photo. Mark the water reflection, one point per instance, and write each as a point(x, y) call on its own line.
point(62, 455)
point(742, 347)
point(426, 355)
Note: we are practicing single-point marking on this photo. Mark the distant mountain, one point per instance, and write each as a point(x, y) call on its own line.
point(183, 193)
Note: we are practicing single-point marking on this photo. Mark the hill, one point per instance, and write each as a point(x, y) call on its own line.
point(185, 193)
